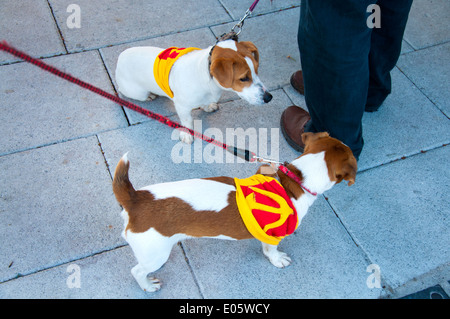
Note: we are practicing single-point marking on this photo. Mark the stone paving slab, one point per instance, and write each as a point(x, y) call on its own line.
point(406, 48)
point(43, 109)
point(421, 66)
point(104, 22)
point(29, 25)
point(428, 23)
point(407, 123)
point(58, 203)
point(398, 214)
point(56, 206)
point(105, 275)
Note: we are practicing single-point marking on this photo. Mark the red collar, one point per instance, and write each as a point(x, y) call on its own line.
point(290, 174)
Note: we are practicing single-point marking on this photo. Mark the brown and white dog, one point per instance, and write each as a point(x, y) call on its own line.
point(158, 216)
point(196, 79)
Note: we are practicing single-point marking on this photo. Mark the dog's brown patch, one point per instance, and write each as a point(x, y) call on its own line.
point(230, 68)
point(172, 215)
point(341, 163)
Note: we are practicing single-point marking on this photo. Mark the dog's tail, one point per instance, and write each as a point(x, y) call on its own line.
point(122, 187)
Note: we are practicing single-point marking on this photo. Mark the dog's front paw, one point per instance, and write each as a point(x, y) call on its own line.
point(277, 258)
point(151, 284)
point(281, 260)
point(151, 97)
point(211, 108)
point(186, 138)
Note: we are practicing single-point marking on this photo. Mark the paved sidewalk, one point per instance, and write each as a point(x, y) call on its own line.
point(60, 224)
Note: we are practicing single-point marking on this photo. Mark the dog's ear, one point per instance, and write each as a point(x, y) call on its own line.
point(309, 137)
point(306, 136)
point(222, 70)
point(252, 48)
point(346, 170)
point(349, 174)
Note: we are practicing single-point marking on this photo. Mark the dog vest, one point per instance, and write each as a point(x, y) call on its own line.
point(163, 64)
point(265, 208)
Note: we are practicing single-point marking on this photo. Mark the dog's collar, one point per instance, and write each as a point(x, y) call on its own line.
point(209, 60)
point(291, 175)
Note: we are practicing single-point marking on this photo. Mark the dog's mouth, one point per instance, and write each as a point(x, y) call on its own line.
point(256, 95)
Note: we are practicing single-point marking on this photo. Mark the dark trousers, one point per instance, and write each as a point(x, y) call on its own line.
point(346, 64)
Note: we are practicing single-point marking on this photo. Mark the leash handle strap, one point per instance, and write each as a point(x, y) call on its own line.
point(252, 7)
point(244, 154)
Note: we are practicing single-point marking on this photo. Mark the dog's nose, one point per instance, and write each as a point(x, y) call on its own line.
point(267, 97)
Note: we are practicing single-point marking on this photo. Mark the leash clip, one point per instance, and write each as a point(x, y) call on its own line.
point(265, 160)
point(240, 24)
point(248, 13)
point(268, 170)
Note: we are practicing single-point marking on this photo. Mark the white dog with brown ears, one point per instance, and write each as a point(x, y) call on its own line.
point(264, 207)
point(192, 77)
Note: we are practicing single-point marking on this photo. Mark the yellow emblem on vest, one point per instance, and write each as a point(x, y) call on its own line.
point(265, 208)
point(163, 64)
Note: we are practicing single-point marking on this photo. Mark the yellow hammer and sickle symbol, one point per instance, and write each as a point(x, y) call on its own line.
point(284, 210)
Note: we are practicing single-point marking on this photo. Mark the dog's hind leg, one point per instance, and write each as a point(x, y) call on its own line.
point(129, 88)
point(135, 93)
point(152, 250)
point(149, 284)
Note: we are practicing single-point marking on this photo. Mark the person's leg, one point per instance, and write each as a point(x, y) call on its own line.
point(334, 43)
point(386, 44)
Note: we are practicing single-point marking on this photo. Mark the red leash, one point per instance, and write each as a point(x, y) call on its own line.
point(244, 154)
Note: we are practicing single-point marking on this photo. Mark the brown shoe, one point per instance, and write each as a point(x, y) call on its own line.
point(292, 123)
point(297, 82)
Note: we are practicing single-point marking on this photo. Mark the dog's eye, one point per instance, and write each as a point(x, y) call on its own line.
point(245, 79)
